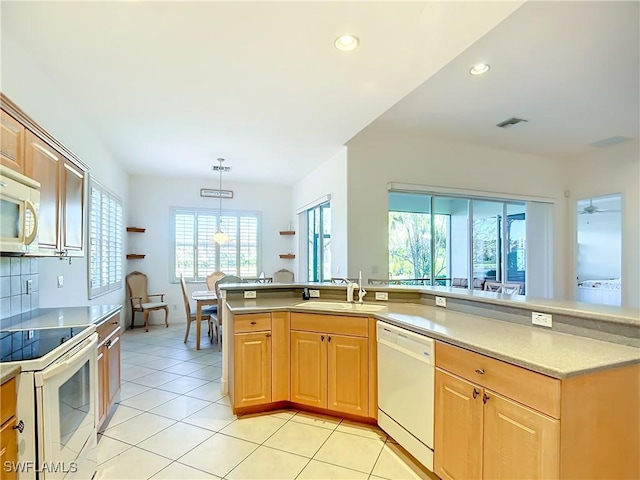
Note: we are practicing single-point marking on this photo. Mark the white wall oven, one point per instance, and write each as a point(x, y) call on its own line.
point(19, 205)
point(57, 401)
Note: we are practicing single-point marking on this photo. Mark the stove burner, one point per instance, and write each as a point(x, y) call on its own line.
point(29, 344)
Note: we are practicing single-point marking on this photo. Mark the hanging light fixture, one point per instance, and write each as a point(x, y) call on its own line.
point(220, 237)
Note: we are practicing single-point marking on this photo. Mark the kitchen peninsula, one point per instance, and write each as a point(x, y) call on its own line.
point(570, 393)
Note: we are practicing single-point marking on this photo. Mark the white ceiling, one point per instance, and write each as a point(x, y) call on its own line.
point(570, 68)
point(170, 86)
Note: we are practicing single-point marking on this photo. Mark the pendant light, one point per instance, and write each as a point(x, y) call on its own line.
point(220, 237)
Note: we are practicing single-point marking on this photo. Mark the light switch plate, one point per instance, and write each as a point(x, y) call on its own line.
point(441, 302)
point(542, 319)
point(314, 293)
point(60, 281)
point(250, 294)
point(383, 296)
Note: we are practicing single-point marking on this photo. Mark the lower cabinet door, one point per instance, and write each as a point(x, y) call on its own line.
point(102, 384)
point(8, 450)
point(309, 368)
point(252, 369)
point(458, 428)
point(347, 374)
point(518, 441)
point(113, 369)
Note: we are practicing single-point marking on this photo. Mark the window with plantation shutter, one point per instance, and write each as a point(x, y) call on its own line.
point(105, 240)
point(196, 255)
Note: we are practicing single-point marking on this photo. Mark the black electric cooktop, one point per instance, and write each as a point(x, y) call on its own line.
point(18, 345)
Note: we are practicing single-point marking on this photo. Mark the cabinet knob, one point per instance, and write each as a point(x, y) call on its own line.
point(485, 398)
point(322, 338)
point(476, 392)
point(254, 323)
point(19, 426)
point(329, 338)
point(115, 323)
point(268, 335)
point(480, 371)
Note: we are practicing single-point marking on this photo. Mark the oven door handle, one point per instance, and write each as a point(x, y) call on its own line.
point(32, 236)
point(75, 357)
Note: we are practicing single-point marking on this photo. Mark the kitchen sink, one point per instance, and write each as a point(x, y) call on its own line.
point(352, 307)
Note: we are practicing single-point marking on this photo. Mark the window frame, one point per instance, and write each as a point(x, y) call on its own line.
point(103, 289)
point(238, 214)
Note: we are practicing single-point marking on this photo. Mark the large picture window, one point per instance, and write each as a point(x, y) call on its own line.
point(196, 255)
point(105, 240)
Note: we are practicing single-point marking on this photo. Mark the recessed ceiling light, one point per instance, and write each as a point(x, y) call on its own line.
point(479, 69)
point(346, 42)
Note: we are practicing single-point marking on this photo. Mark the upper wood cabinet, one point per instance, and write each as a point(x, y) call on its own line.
point(62, 187)
point(31, 150)
point(11, 142)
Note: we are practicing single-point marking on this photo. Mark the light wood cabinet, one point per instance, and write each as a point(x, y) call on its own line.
point(329, 369)
point(109, 379)
point(62, 186)
point(8, 435)
point(495, 420)
point(29, 149)
point(260, 355)
point(11, 142)
point(253, 368)
point(458, 428)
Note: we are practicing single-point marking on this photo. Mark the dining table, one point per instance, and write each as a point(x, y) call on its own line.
point(202, 298)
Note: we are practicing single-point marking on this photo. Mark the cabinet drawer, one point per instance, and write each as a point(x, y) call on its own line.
point(252, 322)
point(7, 400)
point(533, 389)
point(8, 449)
point(106, 328)
point(345, 325)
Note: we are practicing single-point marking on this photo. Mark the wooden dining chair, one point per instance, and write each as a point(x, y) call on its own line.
point(191, 315)
point(217, 317)
point(283, 276)
point(212, 278)
point(139, 298)
point(509, 288)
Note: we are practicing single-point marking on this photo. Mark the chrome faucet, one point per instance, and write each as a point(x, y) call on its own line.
point(362, 292)
point(351, 286)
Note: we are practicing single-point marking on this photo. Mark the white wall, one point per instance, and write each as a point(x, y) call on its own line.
point(615, 169)
point(151, 201)
point(30, 88)
point(330, 178)
point(378, 157)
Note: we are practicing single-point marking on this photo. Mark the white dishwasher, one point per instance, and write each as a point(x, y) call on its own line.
point(406, 384)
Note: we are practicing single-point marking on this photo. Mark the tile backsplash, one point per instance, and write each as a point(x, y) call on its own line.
point(16, 295)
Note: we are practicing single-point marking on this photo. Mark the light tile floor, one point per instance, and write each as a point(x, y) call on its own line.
point(172, 422)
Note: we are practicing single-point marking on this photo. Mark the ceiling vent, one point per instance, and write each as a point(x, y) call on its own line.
point(510, 121)
point(607, 142)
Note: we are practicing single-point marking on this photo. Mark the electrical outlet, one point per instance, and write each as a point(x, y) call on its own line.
point(314, 293)
point(29, 285)
point(29, 334)
point(250, 294)
point(542, 319)
point(441, 302)
point(384, 296)
point(175, 307)
point(60, 281)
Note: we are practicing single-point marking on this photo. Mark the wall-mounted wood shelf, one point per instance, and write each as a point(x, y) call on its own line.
point(136, 229)
point(287, 232)
point(287, 255)
point(134, 256)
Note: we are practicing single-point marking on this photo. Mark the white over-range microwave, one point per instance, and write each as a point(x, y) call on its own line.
point(19, 205)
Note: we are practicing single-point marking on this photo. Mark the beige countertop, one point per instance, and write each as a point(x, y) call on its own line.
point(7, 372)
point(619, 315)
point(60, 317)
point(558, 355)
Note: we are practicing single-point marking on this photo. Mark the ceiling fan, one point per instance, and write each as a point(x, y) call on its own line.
point(591, 209)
